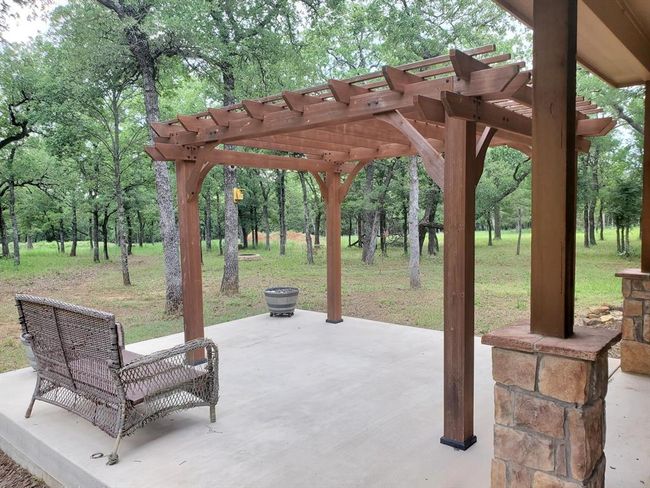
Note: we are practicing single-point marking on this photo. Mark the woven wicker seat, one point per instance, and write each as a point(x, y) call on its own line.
point(82, 366)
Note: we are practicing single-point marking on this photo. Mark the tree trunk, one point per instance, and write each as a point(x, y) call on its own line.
point(62, 236)
point(383, 232)
point(119, 193)
point(30, 242)
point(255, 226)
point(140, 228)
point(12, 206)
point(618, 239)
point(230, 280)
point(359, 231)
point(518, 231)
point(3, 234)
point(95, 235)
point(317, 220)
point(585, 221)
point(14, 220)
point(307, 218)
point(488, 218)
point(90, 231)
point(627, 241)
point(141, 50)
point(367, 255)
point(281, 194)
point(75, 230)
point(105, 234)
point(497, 222)
point(129, 234)
point(601, 221)
point(413, 232)
point(349, 231)
point(405, 229)
point(592, 223)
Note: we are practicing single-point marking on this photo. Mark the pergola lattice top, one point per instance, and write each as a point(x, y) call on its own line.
point(398, 111)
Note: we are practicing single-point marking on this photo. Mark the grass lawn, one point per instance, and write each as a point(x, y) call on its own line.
point(379, 292)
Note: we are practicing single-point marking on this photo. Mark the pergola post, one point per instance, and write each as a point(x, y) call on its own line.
point(554, 168)
point(190, 246)
point(333, 208)
point(459, 199)
point(645, 202)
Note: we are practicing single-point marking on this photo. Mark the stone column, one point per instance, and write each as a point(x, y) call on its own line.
point(549, 407)
point(635, 344)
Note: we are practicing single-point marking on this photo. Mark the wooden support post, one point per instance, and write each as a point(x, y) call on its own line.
point(190, 245)
point(459, 195)
point(554, 168)
point(333, 204)
point(645, 202)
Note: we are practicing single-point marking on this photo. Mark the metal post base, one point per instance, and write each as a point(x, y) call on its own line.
point(463, 446)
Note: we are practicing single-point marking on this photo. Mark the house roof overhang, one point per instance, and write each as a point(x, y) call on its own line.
point(613, 37)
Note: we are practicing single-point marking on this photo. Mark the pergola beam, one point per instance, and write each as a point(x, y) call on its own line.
point(360, 106)
point(431, 159)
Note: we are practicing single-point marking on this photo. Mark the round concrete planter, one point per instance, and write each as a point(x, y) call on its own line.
point(28, 352)
point(281, 300)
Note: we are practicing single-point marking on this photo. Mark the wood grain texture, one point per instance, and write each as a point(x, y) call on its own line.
point(190, 246)
point(459, 200)
point(554, 169)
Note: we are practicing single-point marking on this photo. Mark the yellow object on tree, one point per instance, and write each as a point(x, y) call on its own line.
point(237, 195)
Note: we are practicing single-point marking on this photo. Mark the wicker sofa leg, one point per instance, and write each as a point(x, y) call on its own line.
point(113, 458)
point(28, 413)
point(213, 413)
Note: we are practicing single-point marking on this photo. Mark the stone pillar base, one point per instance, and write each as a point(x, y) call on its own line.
point(549, 407)
point(635, 344)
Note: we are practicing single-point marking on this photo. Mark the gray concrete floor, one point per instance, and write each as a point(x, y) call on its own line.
point(305, 404)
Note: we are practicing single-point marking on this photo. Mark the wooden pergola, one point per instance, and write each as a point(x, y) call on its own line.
point(448, 109)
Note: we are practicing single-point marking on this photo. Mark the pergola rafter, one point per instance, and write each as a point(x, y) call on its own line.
point(448, 109)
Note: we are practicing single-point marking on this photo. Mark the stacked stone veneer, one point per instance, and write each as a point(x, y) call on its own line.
point(635, 344)
point(549, 401)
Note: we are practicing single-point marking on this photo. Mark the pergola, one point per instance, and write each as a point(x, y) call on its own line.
point(448, 109)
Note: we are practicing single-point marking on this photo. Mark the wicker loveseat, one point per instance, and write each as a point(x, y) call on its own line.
point(83, 367)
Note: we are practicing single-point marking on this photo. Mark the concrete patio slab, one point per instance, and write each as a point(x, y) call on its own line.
point(305, 404)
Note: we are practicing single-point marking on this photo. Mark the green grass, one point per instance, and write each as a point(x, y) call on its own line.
point(379, 292)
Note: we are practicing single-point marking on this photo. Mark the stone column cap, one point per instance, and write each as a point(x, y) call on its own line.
point(633, 273)
point(586, 343)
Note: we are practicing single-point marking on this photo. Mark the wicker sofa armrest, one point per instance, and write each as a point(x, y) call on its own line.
point(212, 353)
point(170, 370)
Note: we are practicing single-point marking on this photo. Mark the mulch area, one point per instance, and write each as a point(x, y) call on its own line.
point(13, 476)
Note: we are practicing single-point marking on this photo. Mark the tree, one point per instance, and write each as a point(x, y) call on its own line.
point(150, 41)
point(280, 189)
point(307, 218)
point(413, 227)
point(19, 94)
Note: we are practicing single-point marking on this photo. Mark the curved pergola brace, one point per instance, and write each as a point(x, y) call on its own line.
point(345, 187)
point(482, 146)
point(432, 160)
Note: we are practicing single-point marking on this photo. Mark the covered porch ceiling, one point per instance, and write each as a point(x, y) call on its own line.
point(613, 37)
